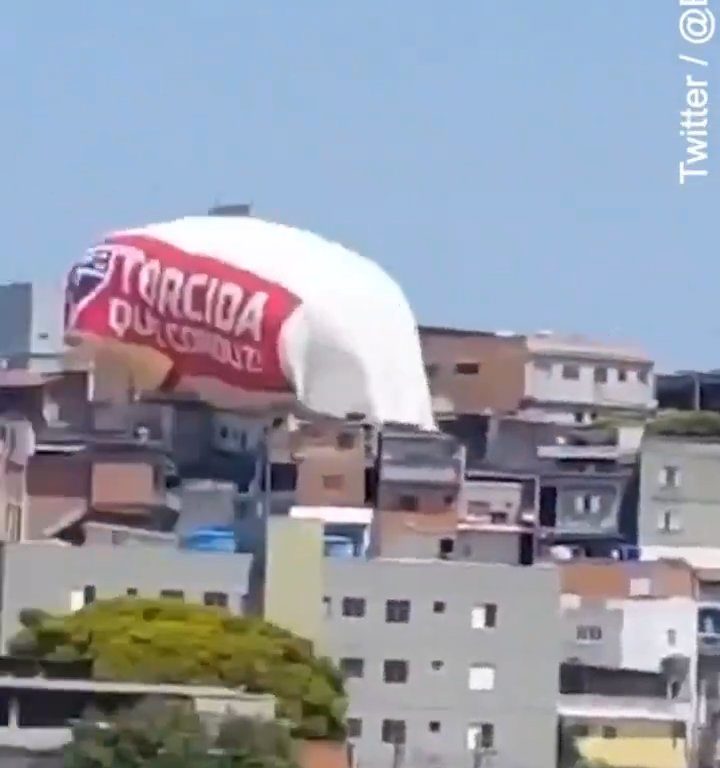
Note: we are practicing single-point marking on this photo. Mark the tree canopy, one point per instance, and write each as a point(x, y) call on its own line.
point(169, 641)
point(157, 734)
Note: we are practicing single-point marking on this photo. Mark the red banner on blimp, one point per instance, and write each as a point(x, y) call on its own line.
point(208, 317)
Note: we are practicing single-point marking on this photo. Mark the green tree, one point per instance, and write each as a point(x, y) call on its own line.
point(162, 734)
point(168, 641)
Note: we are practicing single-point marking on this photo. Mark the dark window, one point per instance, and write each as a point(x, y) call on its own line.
point(354, 727)
point(393, 731)
point(172, 594)
point(353, 606)
point(437, 665)
point(570, 371)
point(89, 594)
point(132, 592)
point(395, 671)
point(601, 375)
point(446, 548)
point(438, 606)
point(487, 735)
point(345, 440)
point(490, 615)
point(327, 606)
point(622, 376)
point(216, 598)
point(434, 726)
point(408, 503)
point(224, 432)
point(609, 732)
point(579, 731)
point(467, 369)
point(397, 611)
point(352, 667)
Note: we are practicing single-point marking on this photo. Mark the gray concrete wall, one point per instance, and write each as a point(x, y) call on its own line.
point(44, 575)
point(603, 652)
point(440, 646)
point(696, 500)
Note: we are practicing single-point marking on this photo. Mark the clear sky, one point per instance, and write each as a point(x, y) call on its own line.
point(513, 164)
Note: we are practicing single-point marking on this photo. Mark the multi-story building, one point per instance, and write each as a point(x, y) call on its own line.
point(434, 651)
point(31, 326)
point(59, 578)
point(545, 376)
point(629, 683)
point(680, 489)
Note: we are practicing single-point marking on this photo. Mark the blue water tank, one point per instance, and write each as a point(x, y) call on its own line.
point(215, 538)
point(339, 546)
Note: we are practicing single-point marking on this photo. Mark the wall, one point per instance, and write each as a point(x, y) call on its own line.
point(638, 743)
point(606, 651)
point(695, 504)
point(499, 382)
point(524, 698)
point(294, 576)
point(45, 574)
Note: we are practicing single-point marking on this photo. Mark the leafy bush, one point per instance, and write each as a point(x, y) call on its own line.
point(160, 734)
point(168, 641)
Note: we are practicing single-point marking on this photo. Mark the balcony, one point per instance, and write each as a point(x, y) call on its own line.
point(433, 459)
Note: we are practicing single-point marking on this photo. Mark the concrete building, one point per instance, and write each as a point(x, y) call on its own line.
point(59, 578)
point(630, 688)
point(679, 492)
point(31, 326)
point(545, 376)
point(435, 652)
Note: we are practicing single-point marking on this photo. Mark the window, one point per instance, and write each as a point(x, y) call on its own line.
point(674, 689)
point(601, 375)
point(579, 417)
point(333, 482)
point(327, 606)
point(480, 736)
point(588, 633)
point(89, 594)
point(587, 503)
point(408, 503)
point(345, 441)
point(643, 375)
point(172, 594)
point(132, 592)
point(437, 665)
point(224, 432)
point(395, 671)
point(542, 366)
point(640, 587)
point(353, 606)
point(484, 616)
point(354, 727)
point(434, 726)
point(216, 598)
point(571, 372)
point(77, 600)
point(608, 732)
point(438, 606)
point(672, 637)
point(397, 611)
point(352, 667)
point(579, 731)
point(481, 677)
point(446, 548)
point(669, 522)
point(467, 369)
point(669, 477)
point(393, 731)
point(622, 374)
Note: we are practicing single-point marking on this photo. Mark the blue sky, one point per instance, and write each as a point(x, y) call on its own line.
point(513, 165)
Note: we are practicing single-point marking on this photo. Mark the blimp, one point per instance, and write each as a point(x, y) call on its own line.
point(249, 314)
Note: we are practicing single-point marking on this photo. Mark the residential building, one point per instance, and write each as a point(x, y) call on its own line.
point(629, 685)
point(434, 652)
point(58, 578)
point(570, 378)
point(543, 376)
point(31, 326)
point(679, 492)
